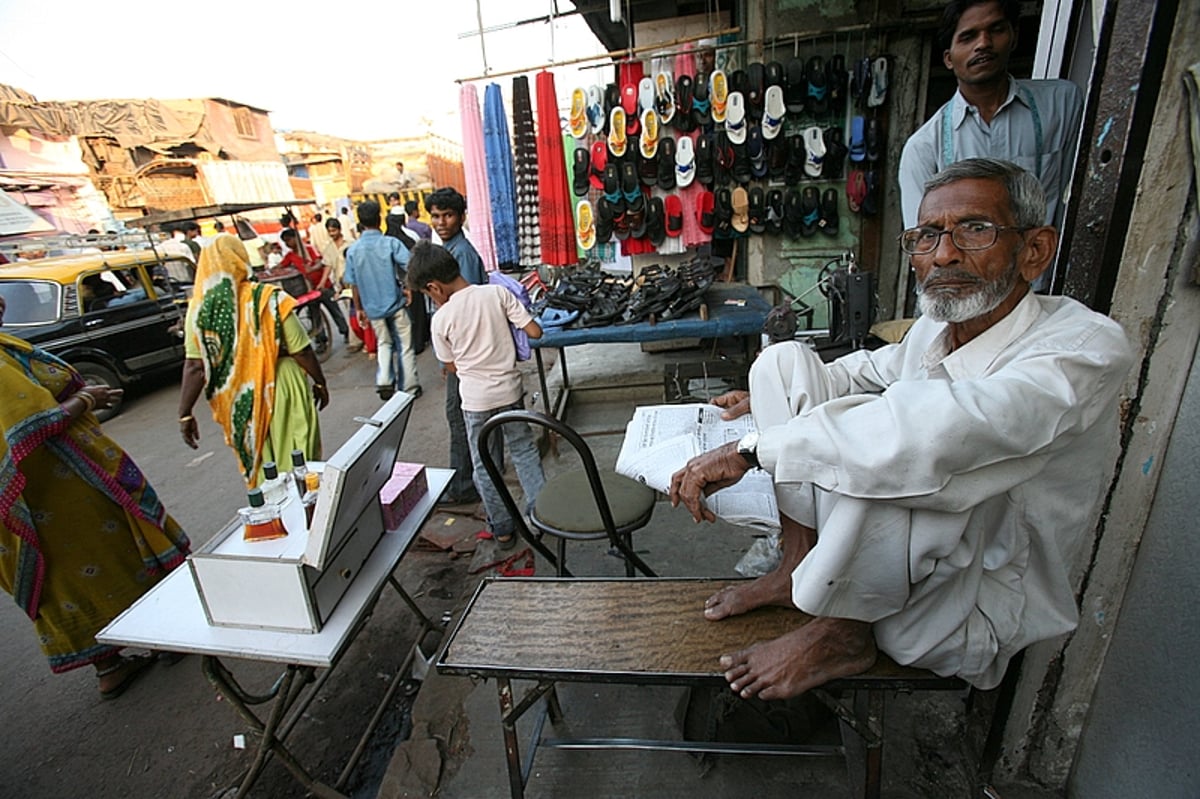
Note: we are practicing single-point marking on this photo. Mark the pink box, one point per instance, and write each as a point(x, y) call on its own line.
point(402, 492)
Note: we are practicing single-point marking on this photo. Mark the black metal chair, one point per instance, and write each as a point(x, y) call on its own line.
point(581, 505)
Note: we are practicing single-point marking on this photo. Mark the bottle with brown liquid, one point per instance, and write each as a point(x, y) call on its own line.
point(312, 482)
point(261, 521)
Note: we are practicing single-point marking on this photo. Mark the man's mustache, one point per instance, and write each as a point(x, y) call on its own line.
point(947, 274)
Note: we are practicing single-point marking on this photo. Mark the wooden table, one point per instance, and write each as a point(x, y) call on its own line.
point(639, 632)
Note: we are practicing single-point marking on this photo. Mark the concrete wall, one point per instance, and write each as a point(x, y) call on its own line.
point(1140, 737)
point(1159, 308)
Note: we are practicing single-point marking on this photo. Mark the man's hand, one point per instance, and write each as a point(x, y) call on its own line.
point(704, 474)
point(736, 403)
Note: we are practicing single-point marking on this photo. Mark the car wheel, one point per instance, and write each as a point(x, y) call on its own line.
point(95, 374)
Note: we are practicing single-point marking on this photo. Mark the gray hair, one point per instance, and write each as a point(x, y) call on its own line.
point(1026, 198)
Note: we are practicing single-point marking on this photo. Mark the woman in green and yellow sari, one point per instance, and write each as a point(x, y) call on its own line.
point(249, 354)
point(82, 534)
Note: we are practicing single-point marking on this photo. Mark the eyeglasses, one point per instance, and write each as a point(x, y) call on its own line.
point(965, 235)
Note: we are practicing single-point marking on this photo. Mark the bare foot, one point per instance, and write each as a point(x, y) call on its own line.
point(808, 657)
point(773, 588)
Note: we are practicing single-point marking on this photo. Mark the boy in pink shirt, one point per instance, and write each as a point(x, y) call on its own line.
point(471, 336)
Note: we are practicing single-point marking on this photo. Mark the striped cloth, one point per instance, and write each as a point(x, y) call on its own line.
point(502, 182)
point(475, 166)
point(529, 236)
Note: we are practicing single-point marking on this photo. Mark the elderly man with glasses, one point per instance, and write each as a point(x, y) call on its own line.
point(932, 493)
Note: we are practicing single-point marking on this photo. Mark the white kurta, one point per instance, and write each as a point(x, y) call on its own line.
point(949, 489)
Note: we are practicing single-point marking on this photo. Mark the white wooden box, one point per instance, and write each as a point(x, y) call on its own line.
point(294, 583)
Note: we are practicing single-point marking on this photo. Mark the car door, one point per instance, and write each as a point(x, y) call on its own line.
point(124, 317)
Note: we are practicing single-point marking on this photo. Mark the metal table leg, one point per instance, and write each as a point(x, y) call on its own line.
point(283, 695)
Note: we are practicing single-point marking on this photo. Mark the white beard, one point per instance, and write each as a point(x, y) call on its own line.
point(946, 306)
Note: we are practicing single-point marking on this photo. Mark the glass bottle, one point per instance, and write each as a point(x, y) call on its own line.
point(312, 482)
point(299, 470)
point(261, 521)
point(275, 489)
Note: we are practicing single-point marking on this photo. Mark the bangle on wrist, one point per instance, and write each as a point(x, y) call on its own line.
point(89, 401)
point(187, 418)
point(318, 385)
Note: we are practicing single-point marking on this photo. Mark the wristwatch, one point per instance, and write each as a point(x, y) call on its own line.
point(748, 449)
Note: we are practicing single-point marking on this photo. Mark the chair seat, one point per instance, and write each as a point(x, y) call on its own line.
point(565, 503)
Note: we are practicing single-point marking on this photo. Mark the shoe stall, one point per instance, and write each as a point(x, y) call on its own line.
point(681, 164)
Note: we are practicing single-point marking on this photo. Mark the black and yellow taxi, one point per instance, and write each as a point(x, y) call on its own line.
point(116, 316)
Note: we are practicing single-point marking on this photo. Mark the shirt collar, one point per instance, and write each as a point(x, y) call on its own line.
point(958, 111)
point(973, 359)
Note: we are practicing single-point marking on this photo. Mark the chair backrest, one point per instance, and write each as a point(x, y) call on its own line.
point(589, 466)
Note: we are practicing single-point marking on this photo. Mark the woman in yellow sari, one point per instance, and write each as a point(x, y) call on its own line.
point(248, 353)
point(82, 534)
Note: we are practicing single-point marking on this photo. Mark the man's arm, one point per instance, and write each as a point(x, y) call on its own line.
point(946, 445)
point(918, 163)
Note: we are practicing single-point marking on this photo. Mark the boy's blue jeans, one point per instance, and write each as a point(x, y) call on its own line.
point(522, 449)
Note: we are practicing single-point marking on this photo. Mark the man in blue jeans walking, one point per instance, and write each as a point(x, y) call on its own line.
point(375, 272)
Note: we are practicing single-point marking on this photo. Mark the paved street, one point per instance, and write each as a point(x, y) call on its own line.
point(168, 735)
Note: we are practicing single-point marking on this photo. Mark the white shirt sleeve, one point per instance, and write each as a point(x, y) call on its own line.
point(946, 444)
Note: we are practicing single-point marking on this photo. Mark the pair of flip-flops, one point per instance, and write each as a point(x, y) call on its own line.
point(735, 118)
point(869, 81)
point(585, 225)
point(866, 139)
point(862, 192)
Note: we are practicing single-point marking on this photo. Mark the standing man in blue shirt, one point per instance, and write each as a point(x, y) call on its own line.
point(375, 272)
point(447, 210)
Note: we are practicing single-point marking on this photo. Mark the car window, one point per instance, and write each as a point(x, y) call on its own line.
point(29, 302)
point(180, 270)
point(111, 288)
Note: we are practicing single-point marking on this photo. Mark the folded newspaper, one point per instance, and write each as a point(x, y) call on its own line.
point(661, 439)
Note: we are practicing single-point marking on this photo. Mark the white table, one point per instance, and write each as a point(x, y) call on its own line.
point(170, 617)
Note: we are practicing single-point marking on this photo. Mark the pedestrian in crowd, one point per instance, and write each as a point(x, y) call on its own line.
point(318, 237)
point(374, 271)
point(447, 210)
point(418, 316)
point(302, 257)
point(471, 336)
point(395, 205)
point(248, 353)
point(335, 256)
point(412, 209)
point(82, 533)
point(191, 232)
point(349, 227)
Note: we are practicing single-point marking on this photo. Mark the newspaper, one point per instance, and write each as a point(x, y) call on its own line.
point(661, 439)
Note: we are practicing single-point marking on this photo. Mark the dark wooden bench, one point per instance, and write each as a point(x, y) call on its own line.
point(642, 632)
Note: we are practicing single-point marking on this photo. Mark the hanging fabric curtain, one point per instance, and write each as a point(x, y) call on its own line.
point(528, 214)
point(554, 199)
point(502, 182)
point(474, 164)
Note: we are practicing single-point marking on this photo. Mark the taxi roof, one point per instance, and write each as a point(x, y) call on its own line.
point(65, 268)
